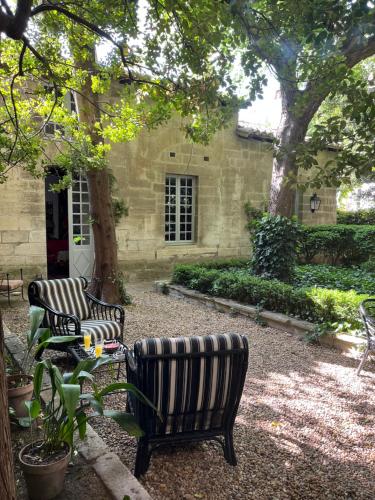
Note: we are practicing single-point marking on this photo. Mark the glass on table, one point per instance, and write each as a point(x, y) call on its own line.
point(87, 341)
point(98, 348)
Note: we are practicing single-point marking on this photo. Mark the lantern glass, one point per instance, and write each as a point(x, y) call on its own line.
point(314, 203)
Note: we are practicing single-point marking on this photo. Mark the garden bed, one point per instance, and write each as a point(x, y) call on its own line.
point(304, 428)
point(330, 308)
point(304, 329)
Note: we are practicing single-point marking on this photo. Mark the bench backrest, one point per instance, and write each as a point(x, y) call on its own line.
point(195, 382)
point(63, 295)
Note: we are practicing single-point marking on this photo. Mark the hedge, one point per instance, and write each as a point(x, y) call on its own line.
point(347, 244)
point(333, 308)
point(360, 217)
point(337, 278)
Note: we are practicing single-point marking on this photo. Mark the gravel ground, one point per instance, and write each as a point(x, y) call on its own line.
point(305, 427)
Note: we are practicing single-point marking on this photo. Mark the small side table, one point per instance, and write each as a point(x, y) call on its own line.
point(118, 357)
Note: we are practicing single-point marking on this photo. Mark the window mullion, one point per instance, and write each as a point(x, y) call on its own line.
point(178, 197)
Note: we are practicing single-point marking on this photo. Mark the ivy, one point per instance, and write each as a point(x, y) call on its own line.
point(274, 247)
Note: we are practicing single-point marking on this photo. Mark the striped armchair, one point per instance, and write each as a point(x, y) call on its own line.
point(196, 385)
point(71, 310)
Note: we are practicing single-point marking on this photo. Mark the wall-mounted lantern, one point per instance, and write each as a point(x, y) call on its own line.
point(314, 203)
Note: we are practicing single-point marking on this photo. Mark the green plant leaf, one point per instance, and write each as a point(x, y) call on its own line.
point(33, 408)
point(126, 421)
point(36, 315)
point(60, 339)
point(118, 386)
point(70, 394)
point(38, 378)
point(81, 423)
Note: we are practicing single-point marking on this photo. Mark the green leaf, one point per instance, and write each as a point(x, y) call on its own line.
point(82, 423)
point(60, 339)
point(85, 375)
point(38, 378)
point(24, 421)
point(70, 394)
point(33, 408)
point(36, 315)
point(118, 386)
point(89, 365)
point(126, 421)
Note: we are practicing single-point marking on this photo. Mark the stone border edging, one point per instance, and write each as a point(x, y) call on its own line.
point(116, 477)
point(342, 342)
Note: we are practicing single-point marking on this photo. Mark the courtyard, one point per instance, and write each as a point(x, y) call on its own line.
point(305, 424)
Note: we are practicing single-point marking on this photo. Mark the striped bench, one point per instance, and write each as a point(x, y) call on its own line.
point(72, 310)
point(196, 385)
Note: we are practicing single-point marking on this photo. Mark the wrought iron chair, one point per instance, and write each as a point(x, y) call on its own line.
point(196, 385)
point(72, 310)
point(8, 285)
point(367, 312)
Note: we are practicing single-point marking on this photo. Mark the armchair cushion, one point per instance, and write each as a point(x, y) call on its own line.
point(196, 385)
point(101, 329)
point(65, 295)
point(192, 387)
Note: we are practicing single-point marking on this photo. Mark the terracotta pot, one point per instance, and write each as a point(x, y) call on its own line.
point(44, 481)
point(18, 395)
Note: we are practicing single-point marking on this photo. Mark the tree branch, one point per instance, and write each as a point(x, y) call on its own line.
point(14, 25)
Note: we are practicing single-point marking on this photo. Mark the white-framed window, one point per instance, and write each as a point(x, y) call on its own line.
point(180, 207)
point(51, 128)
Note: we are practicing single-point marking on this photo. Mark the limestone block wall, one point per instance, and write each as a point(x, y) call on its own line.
point(327, 210)
point(229, 172)
point(22, 224)
point(238, 170)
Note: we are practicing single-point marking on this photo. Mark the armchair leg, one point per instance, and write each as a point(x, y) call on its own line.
point(229, 453)
point(363, 360)
point(142, 460)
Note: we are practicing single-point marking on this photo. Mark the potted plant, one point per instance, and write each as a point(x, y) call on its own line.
point(19, 380)
point(64, 417)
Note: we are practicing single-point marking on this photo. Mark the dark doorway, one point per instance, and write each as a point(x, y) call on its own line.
point(57, 228)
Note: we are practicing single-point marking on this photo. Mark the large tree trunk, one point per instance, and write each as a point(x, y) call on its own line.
point(291, 132)
point(7, 484)
point(105, 275)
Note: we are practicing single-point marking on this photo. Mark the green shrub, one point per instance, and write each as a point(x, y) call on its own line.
point(338, 309)
point(359, 217)
point(369, 266)
point(335, 309)
point(274, 247)
point(337, 243)
point(339, 278)
point(363, 247)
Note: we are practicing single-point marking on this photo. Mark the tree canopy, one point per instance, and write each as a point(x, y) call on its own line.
point(312, 47)
point(162, 65)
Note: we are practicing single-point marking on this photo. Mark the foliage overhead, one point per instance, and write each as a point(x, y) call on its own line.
point(312, 48)
point(162, 53)
point(179, 56)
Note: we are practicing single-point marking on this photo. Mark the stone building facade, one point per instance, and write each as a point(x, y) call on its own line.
point(185, 201)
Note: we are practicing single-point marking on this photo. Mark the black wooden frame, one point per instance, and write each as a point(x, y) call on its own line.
point(68, 324)
point(138, 370)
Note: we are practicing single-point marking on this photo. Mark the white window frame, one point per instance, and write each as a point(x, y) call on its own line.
point(70, 103)
point(178, 240)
